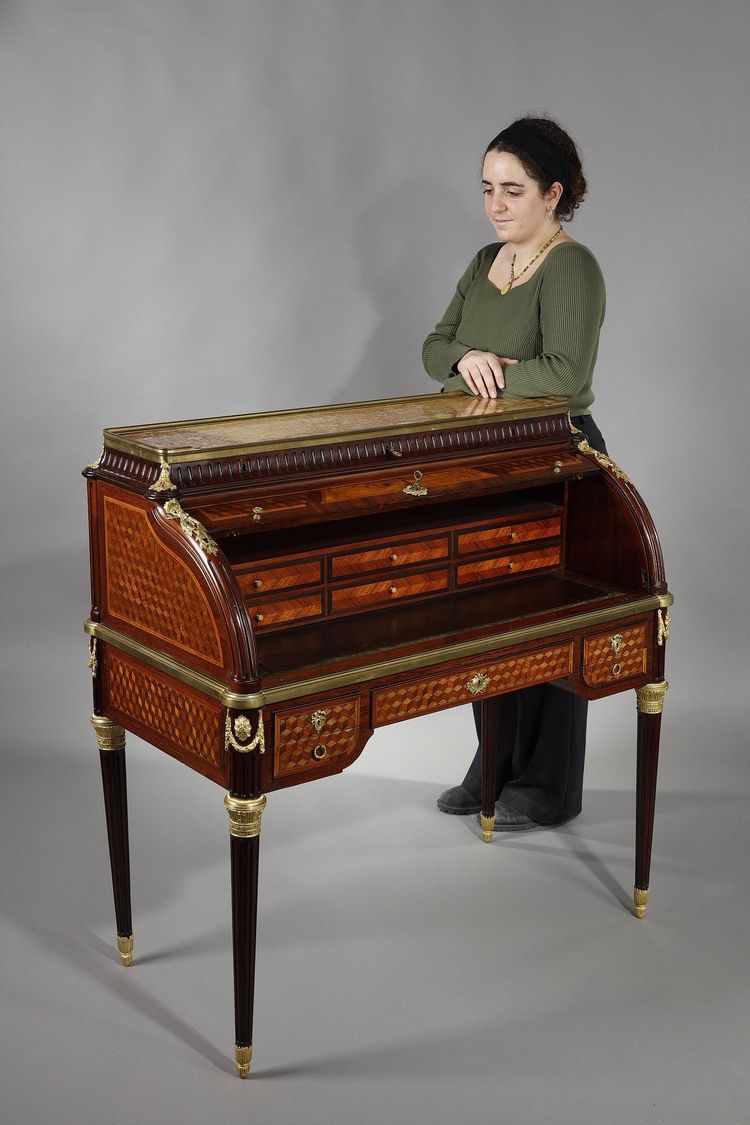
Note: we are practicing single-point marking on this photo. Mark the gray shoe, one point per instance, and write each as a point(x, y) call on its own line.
point(508, 820)
point(458, 801)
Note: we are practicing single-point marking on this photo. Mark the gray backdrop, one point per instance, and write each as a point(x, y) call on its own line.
point(210, 208)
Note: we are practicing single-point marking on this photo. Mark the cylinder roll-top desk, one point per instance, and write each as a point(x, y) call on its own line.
point(269, 589)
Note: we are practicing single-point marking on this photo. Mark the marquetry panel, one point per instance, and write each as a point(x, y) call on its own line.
point(507, 564)
point(616, 655)
point(267, 580)
point(390, 557)
point(297, 757)
point(313, 723)
point(388, 591)
point(263, 614)
point(149, 586)
point(168, 710)
point(419, 697)
point(507, 535)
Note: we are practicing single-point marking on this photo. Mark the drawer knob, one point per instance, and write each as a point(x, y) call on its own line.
point(511, 566)
point(616, 642)
point(394, 557)
point(616, 669)
point(478, 683)
point(319, 752)
point(259, 617)
point(257, 513)
point(257, 583)
point(512, 535)
point(392, 590)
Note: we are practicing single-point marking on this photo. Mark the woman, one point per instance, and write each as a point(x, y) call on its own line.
point(525, 319)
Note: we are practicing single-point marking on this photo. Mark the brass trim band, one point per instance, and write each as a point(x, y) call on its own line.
point(125, 949)
point(109, 735)
point(640, 898)
point(244, 815)
point(488, 824)
point(650, 698)
point(243, 1056)
point(253, 701)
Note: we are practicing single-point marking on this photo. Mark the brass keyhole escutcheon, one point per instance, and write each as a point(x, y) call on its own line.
point(478, 683)
point(617, 642)
point(558, 466)
point(257, 513)
point(257, 583)
point(317, 720)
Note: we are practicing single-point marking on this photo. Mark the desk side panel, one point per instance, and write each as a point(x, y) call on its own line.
point(165, 712)
point(154, 583)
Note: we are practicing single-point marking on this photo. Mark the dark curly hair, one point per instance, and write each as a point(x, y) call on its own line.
point(574, 191)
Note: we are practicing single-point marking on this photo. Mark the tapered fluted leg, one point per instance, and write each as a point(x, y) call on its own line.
point(111, 740)
point(489, 739)
point(244, 828)
point(650, 702)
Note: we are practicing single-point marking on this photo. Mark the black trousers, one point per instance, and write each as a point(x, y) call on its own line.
point(542, 745)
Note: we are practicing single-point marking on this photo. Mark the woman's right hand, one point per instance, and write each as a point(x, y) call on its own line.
point(483, 372)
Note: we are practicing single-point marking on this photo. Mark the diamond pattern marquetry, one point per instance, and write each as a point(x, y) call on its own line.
point(297, 725)
point(422, 696)
point(151, 587)
point(195, 726)
point(615, 656)
point(295, 757)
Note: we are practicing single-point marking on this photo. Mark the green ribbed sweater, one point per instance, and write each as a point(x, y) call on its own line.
point(550, 323)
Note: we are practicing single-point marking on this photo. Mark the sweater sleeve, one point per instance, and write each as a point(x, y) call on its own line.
point(571, 311)
point(441, 351)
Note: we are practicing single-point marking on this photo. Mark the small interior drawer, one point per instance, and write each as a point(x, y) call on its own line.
point(505, 535)
point(507, 564)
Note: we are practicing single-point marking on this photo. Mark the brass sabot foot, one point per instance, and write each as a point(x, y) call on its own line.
point(125, 947)
point(243, 1057)
point(641, 902)
point(488, 824)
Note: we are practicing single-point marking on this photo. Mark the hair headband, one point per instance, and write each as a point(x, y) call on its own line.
point(543, 152)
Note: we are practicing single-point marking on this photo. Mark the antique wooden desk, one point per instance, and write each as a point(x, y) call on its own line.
point(269, 589)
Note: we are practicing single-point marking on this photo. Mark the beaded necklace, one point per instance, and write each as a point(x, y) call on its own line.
point(507, 288)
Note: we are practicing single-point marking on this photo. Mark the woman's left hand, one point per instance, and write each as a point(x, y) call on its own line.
point(483, 372)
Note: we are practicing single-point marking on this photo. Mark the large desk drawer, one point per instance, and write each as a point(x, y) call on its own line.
point(609, 657)
point(478, 681)
point(310, 738)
